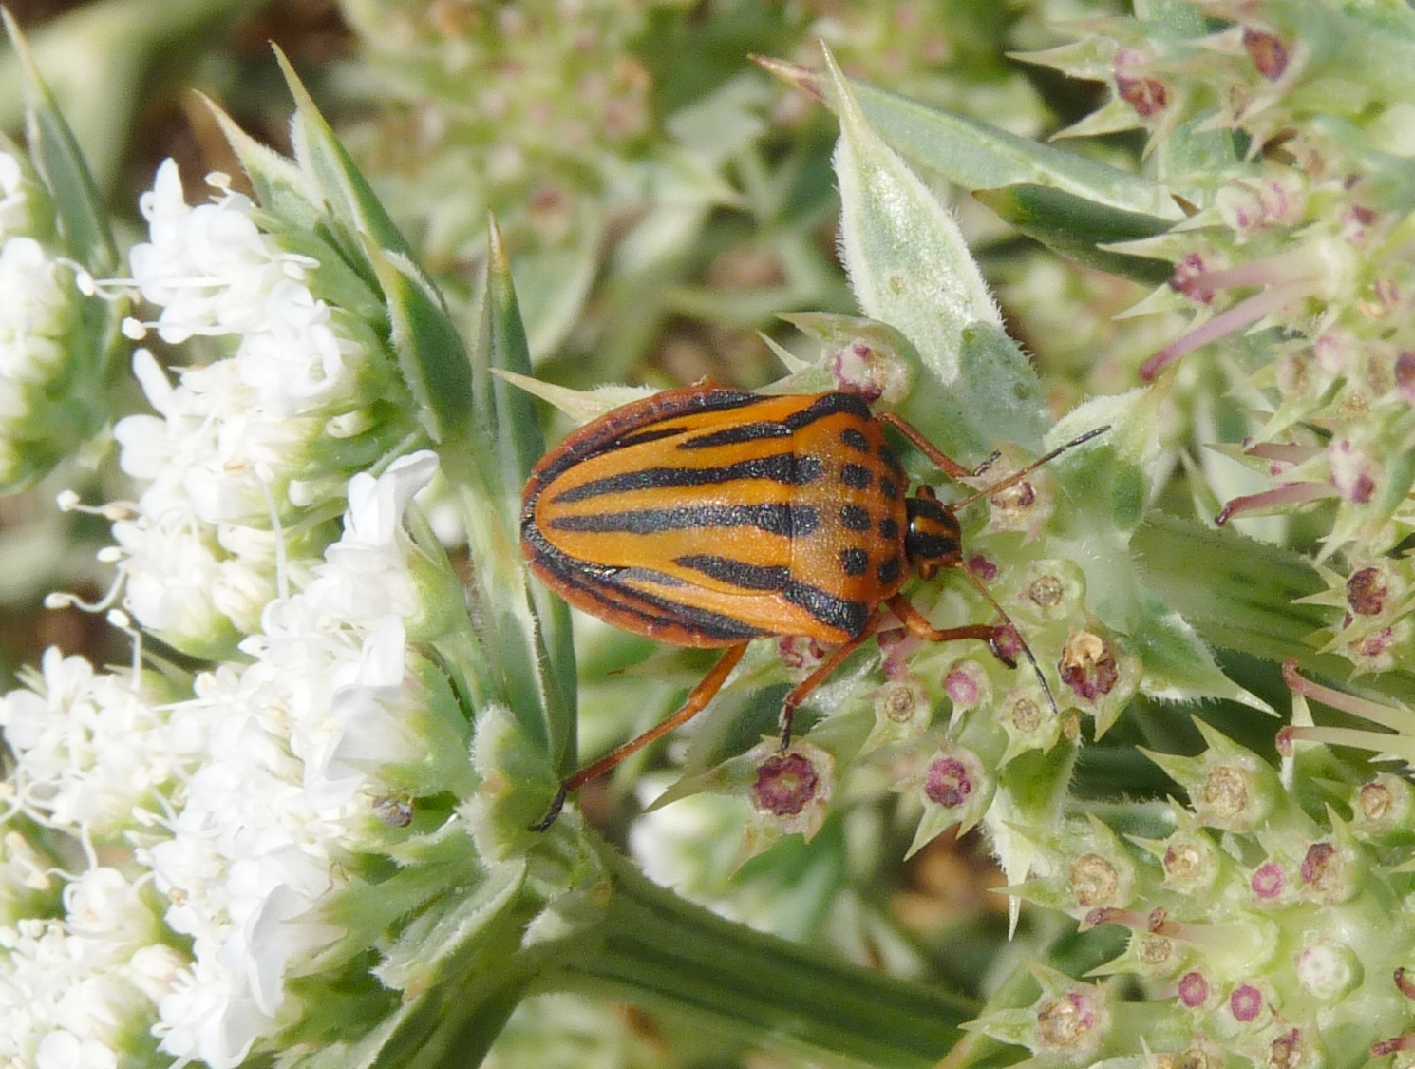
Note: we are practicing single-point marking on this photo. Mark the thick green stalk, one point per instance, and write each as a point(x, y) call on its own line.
point(657, 949)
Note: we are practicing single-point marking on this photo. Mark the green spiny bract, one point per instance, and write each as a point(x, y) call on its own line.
point(1259, 927)
point(1280, 124)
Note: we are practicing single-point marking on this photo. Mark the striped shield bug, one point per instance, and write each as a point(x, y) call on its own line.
point(709, 517)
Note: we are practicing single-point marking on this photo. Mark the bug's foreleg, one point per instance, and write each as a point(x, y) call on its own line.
point(950, 467)
point(807, 686)
point(697, 701)
point(919, 627)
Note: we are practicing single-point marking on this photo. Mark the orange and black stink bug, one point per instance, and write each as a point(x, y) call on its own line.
point(710, 517)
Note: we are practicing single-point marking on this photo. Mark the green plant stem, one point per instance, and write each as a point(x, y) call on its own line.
point(1241, 595)
point(664, 952)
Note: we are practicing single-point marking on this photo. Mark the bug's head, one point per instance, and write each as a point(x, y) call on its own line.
point(933, 540)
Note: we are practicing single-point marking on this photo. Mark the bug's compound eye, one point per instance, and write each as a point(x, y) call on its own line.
point(933, 539)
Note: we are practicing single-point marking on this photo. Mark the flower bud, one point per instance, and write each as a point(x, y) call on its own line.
point(1050, 590)
point(1330, 872)
point(1148, 96)
point(1025, 506)
point(1096, 881)
point(1267, 51)
point(1287, 1050)
point(956, 790)
point(786, 784)
point(1029, 721)
point(1191, 862)
point(1376, 650)
point(967, 685)
point(1100, 676)
point(1354, 472)
point(1405, 376)
point(1270, 885)
point(1381, 806)
point(1366, 590)
point(1246, 1004)
point(903, 711)
point(791, 791)
point(875, 374)
point(1195, 991)
point(1072, 1024)
point(1328, 970)
point(801, 656)
point(1157, 956)
point(1235, 797)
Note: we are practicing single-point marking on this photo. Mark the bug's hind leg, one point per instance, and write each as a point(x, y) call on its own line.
point(807, 686)
point(697, 701)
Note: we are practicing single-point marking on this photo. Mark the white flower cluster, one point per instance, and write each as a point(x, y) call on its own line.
point(265, 780)
point(75, 991)
point(91, 749)
point(37, 315)
point(234, 449)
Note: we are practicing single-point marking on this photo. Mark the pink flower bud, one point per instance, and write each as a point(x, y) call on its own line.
point(1268, 53)
point(785, 784)
point(1146, 95)
point(1067, 1023)
point(1187, 278)
point(983, 568)
point(1285, 1052)
point(1246, 1003)
point(1268, 882)
point(800, 655)
point(1323, 870)
point(1088, 665)
point(1353, 472)
point(966, 684)
point(1007, 645)
point(1193, 990)
point(1366, 591)
point(856, 369)
point(1405, 376)
point(949, 783)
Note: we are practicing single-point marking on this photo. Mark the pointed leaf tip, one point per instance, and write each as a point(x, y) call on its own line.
point(792, 74)
point(496, 246)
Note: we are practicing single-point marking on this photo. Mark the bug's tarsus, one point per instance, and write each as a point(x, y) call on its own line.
point(1017, 476)
point(544, 823)
point(982, 588)
point(997, 648)
point(982, 468)
point(697, 701)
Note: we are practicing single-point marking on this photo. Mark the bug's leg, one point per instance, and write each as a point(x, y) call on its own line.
point(827, 668)
point(919, 627)
point(951, 467)
point(998, 637)
point(696, 703)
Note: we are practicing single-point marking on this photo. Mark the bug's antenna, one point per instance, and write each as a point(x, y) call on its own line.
point(1018, 476)
point(982, 589)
